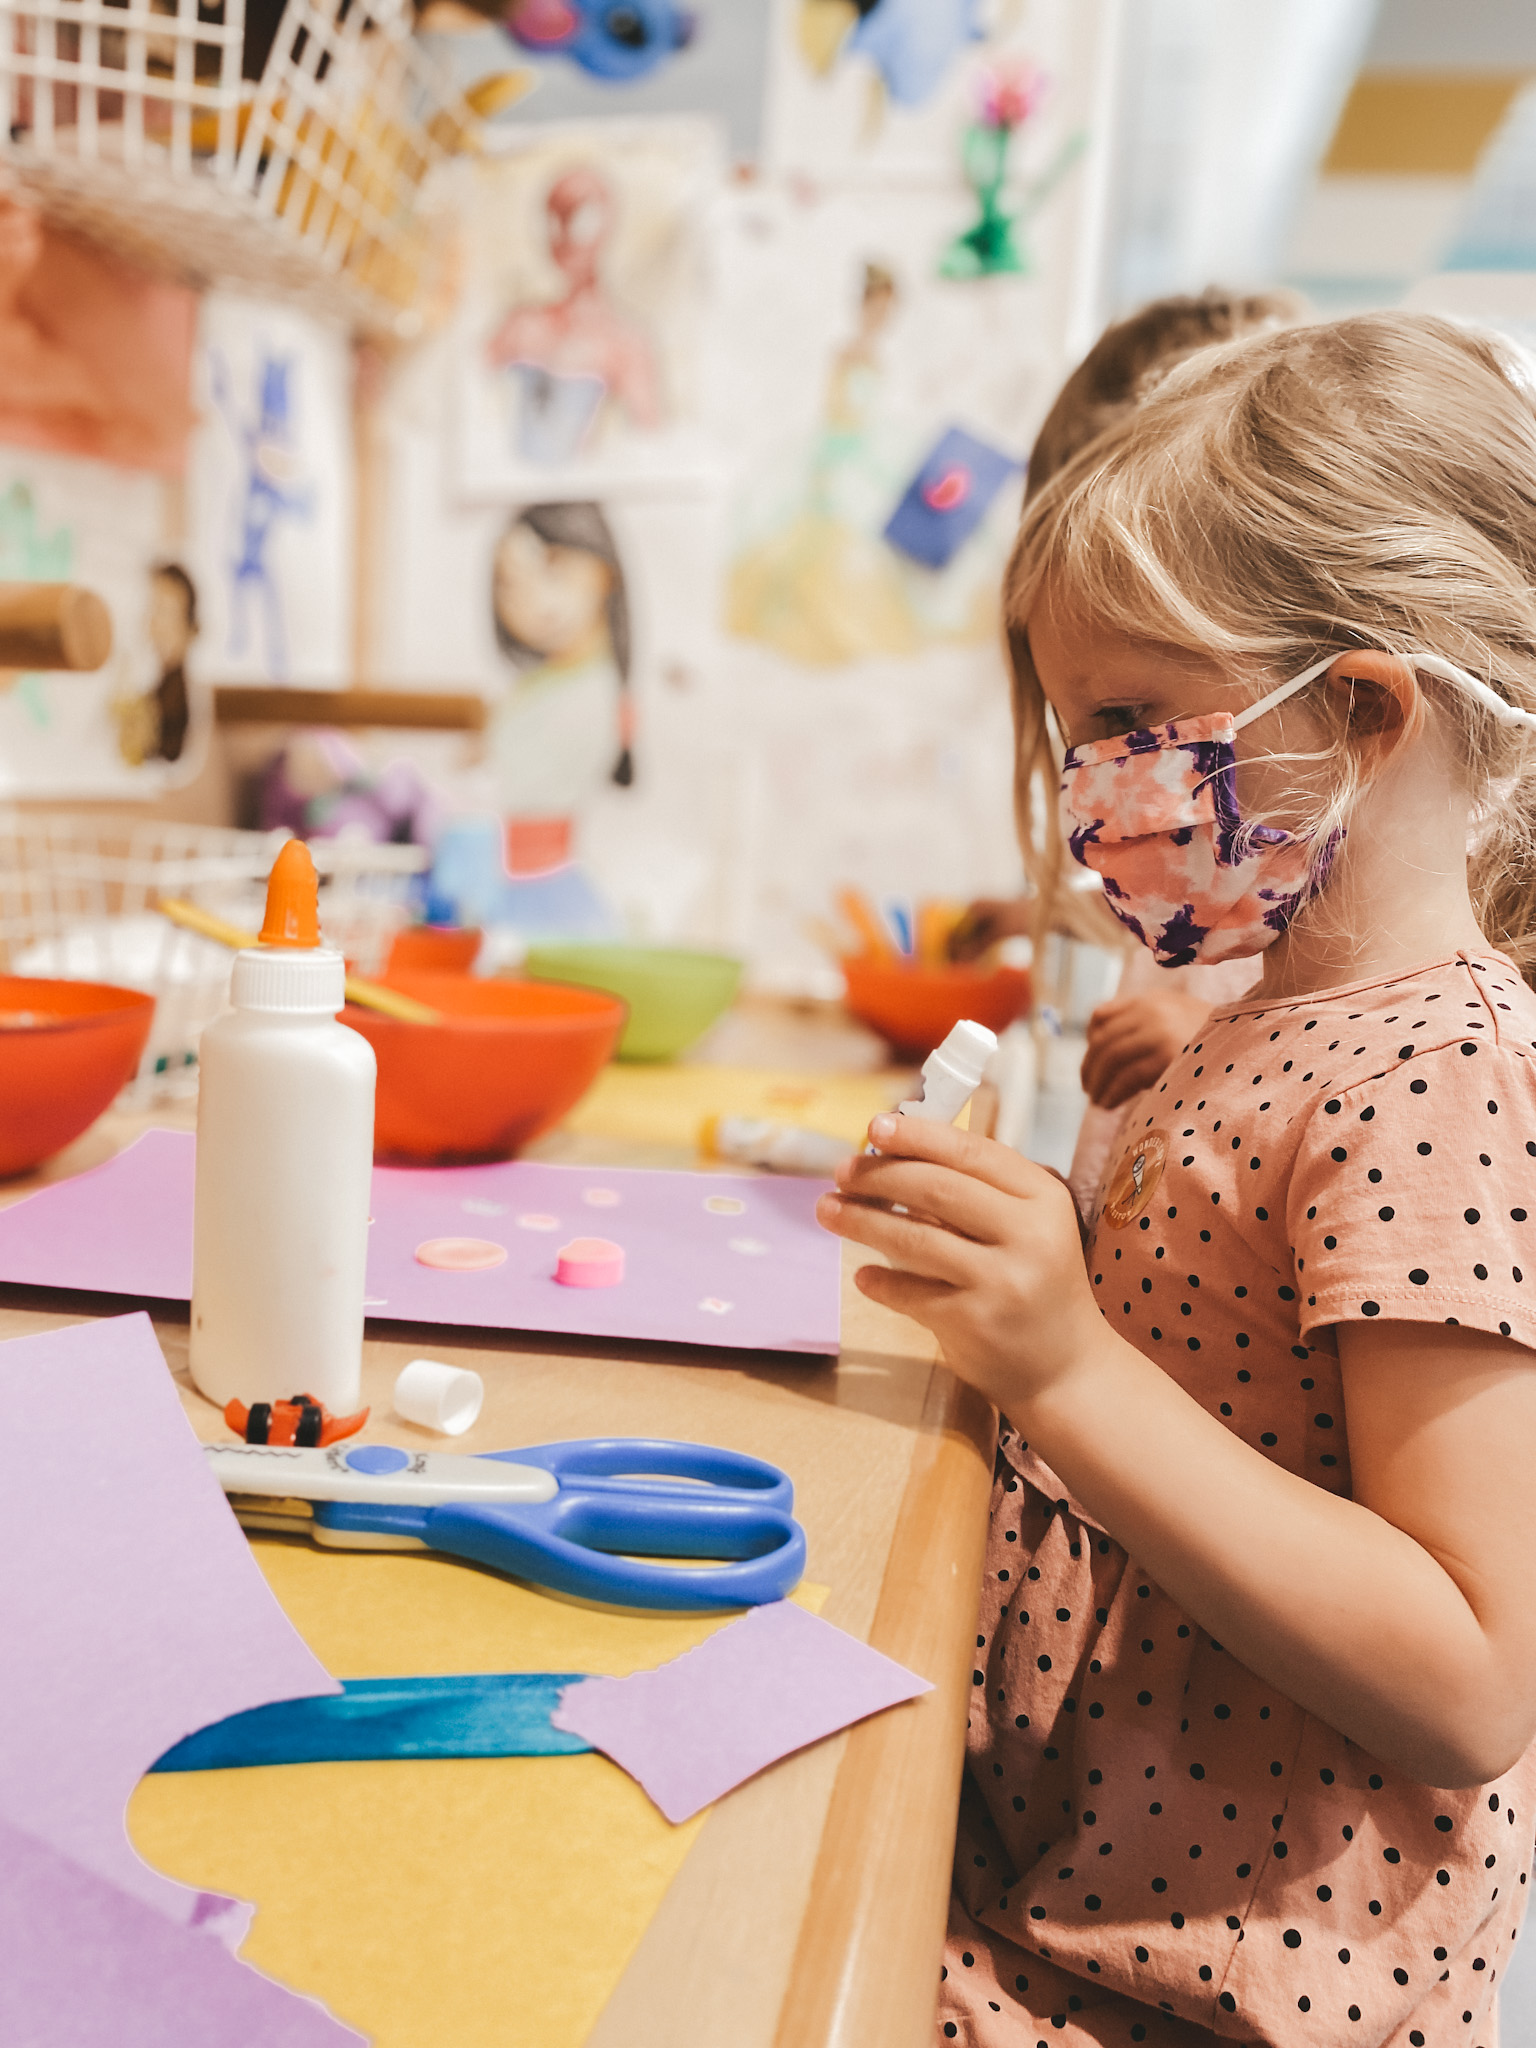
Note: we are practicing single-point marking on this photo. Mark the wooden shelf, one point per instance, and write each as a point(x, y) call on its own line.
point(427, 710)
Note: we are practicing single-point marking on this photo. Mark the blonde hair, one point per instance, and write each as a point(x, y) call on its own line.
point(1129, 358)
point(1370, 483)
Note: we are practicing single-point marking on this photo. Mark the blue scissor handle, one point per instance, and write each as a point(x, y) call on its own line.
point(619, 1496)
point(642, 1465)
point(582, 1543)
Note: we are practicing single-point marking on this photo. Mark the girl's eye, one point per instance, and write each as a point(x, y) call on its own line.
point(1115, 719)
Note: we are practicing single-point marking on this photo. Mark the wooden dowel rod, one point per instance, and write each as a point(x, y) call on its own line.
point(53, 625)
point(429, 710)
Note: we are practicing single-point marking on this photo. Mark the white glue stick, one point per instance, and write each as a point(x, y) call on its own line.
point(952, 1075)
point(781, 1148)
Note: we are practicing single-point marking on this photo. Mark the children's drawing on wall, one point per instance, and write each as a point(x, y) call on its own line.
point(95, 356)
point(135, 726)
point(994, 244)
point(272, 489)
point(270, 501)
point(821, 578)
point(583, 308)
point(881, 89)
point(549, 61)
point(909, 43)
point(153, 725)
point(562, 728)
point(616, 42)
point(574, 356)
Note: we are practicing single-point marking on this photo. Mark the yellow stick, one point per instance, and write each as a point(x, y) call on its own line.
point(369, 993)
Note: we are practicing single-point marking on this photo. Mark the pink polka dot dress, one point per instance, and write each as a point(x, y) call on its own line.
point(1155, 1846)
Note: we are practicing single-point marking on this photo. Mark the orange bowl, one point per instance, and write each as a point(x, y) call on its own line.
point(507, 1061)
point(915, 1008)
point(66, 1048)
point(434, 949)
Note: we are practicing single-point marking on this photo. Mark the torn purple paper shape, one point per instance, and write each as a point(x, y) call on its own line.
point(755, 1691)
point(82, 1963)
point(131, 1608)
point(713, 1259)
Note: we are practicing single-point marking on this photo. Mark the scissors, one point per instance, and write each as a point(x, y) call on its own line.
point(585, 1518)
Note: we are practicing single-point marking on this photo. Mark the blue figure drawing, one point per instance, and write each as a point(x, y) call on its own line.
point(615, 40)
point(272, 490)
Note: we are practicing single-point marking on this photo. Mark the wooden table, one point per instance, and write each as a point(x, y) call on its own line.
point(835, 1941)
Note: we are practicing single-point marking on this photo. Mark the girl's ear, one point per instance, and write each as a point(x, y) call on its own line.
point(1385, 700)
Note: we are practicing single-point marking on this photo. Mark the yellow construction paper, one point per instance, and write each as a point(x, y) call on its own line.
point(477, 1902)
point(668, 1105)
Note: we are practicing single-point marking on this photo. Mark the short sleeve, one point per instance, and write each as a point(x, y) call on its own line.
point(1413, 1195)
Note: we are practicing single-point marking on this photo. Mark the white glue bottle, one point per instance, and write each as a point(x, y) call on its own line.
point(952, 1075)
point(284, 1168)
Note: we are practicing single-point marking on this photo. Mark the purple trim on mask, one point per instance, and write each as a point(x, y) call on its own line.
point(1216, 761)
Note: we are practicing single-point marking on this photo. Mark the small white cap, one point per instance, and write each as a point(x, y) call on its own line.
point(437, 1396)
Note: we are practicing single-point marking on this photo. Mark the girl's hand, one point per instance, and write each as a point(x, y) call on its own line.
point(988, 1256)
point(1131, 1039)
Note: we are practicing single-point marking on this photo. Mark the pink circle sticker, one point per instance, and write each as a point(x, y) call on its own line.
point(590, 1262)
point(461, 1254)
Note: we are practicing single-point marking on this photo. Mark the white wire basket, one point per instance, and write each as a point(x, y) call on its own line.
point(77, 896)
point(130, 121)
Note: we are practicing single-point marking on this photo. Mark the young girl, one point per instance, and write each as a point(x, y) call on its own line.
point(1255, 1687)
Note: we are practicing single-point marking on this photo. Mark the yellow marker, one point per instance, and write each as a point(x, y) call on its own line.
point(935, 922)
point(370, 994)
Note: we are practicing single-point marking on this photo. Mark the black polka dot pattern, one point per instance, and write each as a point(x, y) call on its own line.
point(1154, 1846)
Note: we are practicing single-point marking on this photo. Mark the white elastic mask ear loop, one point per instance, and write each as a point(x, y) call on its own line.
point(1275, 697)
point(1505, 712)
point(1285, 690)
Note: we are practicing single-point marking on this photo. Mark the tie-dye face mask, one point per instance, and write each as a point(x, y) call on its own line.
point(1155, 814)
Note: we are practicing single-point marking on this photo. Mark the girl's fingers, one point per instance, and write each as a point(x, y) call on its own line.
point(908, 1294)
point(914, 1246)
point(958, 1201)
point(997, 1166)
point(1128, 1079)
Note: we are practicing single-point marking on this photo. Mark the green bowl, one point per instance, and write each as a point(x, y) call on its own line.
point(673, 996)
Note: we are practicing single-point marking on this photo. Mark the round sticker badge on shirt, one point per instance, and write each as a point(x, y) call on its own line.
point(1134, 1181)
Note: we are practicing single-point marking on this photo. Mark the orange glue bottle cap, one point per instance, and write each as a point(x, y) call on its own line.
point(293, 899)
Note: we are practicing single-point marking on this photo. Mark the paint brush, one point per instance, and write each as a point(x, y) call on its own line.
point(372, 995)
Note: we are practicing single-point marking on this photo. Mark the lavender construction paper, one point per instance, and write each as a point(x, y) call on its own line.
point(131, 1608)
point(84, 1965)
point(718, 1259)
point(753, 1692)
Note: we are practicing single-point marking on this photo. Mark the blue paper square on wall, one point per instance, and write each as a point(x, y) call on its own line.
point(948, 498)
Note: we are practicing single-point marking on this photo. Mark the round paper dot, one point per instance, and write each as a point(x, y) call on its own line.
point(724, 1205)
point(590, 1262)
point(601, 1198)
point(478, 1208)
point(538, 1222)
point(713, 1307)
point(752, 1246)
point(461, 1254)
